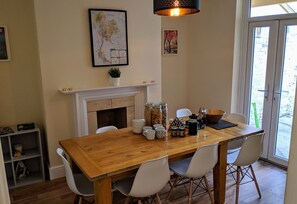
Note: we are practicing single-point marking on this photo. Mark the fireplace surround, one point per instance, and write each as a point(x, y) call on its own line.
point(130, 97)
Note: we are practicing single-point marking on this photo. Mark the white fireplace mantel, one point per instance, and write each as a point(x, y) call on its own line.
point(82, 96)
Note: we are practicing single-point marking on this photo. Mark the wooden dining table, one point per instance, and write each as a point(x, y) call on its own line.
point(113, 155)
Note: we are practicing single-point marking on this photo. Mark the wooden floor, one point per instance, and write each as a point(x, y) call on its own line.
point(271, 179)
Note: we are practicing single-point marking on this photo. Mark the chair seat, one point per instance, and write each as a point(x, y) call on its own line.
point(84, 186)
point(231, 158)
point(181, 167)
point(231, 151)
point(124, 185)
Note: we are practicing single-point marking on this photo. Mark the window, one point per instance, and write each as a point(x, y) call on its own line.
point(272, 7)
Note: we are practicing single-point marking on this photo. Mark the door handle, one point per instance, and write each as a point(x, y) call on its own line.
point(266, 92)
point(279, 92)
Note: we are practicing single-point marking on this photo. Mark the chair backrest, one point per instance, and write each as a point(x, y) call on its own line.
point(204, 160)
point(237, 117)
point(150, 178)
point(183, 112)
point(250, 151)
point(106, 128)
point(69, 175)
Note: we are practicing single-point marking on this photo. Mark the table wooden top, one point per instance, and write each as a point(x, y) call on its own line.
point(115, 152)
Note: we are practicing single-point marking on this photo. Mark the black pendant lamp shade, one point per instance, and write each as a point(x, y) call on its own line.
point(176, 7)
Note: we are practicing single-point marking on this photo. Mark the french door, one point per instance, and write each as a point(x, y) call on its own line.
point(271, 83)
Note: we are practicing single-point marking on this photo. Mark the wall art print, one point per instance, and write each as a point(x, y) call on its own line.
point(170, 42)
point(4, 44)
point(109, 40)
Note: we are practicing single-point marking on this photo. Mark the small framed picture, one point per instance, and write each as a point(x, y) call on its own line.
point(109, 39)
point(170, 42)
point(4, 44)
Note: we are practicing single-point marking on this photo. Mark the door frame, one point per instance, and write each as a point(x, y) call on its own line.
point(245, 19)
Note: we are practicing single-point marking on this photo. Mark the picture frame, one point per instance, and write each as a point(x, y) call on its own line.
point(109, 38)
point(170, 42)
point(4, 44)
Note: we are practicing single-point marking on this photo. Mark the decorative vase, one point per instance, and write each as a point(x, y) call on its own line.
point(115, 81)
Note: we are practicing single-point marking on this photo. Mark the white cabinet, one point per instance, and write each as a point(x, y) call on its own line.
point(32, 156)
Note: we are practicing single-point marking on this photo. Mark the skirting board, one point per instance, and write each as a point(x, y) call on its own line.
point(56, 172)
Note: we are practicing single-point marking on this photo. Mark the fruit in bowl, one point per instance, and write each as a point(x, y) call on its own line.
point(214, 115)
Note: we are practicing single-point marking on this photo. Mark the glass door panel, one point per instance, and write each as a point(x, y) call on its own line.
point(286, 96)
point(259, 65)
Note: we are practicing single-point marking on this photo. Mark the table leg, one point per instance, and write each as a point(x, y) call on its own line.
point(103, 191)
point(219, 175)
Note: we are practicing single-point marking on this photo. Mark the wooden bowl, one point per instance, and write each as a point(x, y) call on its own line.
point(214, 115)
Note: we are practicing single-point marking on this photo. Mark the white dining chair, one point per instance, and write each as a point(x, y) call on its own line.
point(150, 178)
point(105, 129)
point(243, 159)
point(77, 183)
point(196, 167)
point(235, 145)
point(183, 112)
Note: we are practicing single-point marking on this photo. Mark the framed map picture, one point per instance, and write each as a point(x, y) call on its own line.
point(170, 42)
point(109, 40)
point(4, 45)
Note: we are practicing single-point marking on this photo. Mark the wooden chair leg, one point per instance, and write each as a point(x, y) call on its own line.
point(237, 184)
point(127, 200)
point(80, 200)
point(158, 199)
point(208, 189)
point(190, 191)
point(172, 187)
point(255, 180)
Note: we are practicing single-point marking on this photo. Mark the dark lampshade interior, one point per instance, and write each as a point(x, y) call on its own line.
point(176, 7)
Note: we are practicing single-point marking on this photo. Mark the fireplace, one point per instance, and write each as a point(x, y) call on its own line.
point(118, 112)
point(116, 117)
point(92, 100)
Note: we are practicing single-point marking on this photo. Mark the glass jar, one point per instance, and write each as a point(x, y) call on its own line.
point(173, 131)
point(181, 131)
point(148, 114)
point(156, 114)
point(193, 125)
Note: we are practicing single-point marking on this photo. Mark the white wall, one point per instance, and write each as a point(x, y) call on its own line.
point(175, 67)
point(20, 85)
point(211, 55)
point(201, 74)
point(65, 56)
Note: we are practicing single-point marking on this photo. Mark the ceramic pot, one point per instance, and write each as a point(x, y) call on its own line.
point(115, 81)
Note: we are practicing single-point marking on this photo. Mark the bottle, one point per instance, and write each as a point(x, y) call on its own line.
point(164, 114)
point(202, 117)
